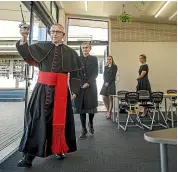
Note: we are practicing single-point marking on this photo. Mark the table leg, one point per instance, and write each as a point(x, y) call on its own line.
point(113, 116)
point(118, 113)
point(172, 115)
point(164, 157)
point(166, 112)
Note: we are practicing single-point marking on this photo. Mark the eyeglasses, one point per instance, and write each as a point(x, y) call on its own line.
point(56, 31)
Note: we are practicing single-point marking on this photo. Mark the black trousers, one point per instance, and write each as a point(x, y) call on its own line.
point(29, 158)
point(83, 120)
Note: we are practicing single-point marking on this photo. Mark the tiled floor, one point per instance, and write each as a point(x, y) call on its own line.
point(11, 122)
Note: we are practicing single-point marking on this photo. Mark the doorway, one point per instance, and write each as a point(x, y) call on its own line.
point(95, 31)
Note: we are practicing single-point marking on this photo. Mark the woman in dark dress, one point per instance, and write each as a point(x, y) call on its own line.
point(87, 100)
point(109, 87)
point(143, 81)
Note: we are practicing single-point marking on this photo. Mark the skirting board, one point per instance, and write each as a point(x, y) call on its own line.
point(9, 150)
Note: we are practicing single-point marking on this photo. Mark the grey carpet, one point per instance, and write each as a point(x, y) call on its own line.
point(109, 150)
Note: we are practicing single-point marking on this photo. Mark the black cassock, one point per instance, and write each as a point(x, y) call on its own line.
point(87, 100)
point(37, 136)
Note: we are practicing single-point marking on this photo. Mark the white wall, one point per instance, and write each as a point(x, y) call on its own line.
point(161, 58)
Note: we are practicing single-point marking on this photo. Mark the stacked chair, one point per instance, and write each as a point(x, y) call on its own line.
point(122, 103)
point(156, 99)
point(174, 103)
point(145, 102)
point(132, 99)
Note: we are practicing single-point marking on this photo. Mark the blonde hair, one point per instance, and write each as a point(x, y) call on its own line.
point(144, 57)
point(86, 43)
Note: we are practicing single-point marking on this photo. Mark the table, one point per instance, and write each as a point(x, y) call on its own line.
point(119, 97)
point(163, 137)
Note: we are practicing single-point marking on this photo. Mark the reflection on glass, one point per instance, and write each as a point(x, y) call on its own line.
point(98, 50)
point(77, 33)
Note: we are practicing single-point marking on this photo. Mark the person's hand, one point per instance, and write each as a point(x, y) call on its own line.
point(86, 85)
point(106, 84)
point(24, 31)
point(73, 96)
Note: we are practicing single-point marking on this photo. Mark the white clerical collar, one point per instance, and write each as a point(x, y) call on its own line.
point(87, 55)
point(58, 44)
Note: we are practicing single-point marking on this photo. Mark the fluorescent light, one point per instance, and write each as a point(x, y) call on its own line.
point(162, 8)
point(86, 5)
point(173, 15)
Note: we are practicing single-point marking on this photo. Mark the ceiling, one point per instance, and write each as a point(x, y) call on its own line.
point(10, 10)
point(112, 9)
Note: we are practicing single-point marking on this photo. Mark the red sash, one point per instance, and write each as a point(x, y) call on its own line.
point(59, 80)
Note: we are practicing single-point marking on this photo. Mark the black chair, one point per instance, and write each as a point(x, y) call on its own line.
point(173, 101)
point(144, 99)
point(132, 99)
point(156, 98)
point(122, 102)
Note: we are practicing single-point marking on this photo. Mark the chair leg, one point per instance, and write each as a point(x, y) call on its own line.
point(140, 123)
point(151, 126)
point(158, 116)
point(127, 121)
point(163, 119)
point(152, 121)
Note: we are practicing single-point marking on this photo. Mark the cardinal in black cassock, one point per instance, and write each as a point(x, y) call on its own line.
point(49, 122)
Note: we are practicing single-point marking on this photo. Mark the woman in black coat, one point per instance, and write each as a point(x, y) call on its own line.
point(87, 100)
point(109, 87)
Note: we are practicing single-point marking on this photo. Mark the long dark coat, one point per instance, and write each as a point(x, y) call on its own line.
point(37, 136)
point(87, 98)
point(109, 77)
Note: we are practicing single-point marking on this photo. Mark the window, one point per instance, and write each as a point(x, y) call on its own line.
point(86, 30)
point(4, 68)
point(19, 69)
point(78, 33)
point(14, 33)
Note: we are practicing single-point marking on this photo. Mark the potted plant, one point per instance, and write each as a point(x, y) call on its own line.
point(124, 17)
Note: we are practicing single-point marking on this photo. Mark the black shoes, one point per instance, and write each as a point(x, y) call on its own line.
point(83, 134)
point(26, 161)
point(60, 156)
point(91, 129)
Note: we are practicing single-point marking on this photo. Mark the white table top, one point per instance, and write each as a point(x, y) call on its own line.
point(123, 96)
point(166, 136)
point(144, 97)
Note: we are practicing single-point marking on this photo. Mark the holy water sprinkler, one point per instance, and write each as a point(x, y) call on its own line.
point(23, 23)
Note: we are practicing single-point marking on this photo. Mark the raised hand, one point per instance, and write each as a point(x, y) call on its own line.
point(24, 31)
